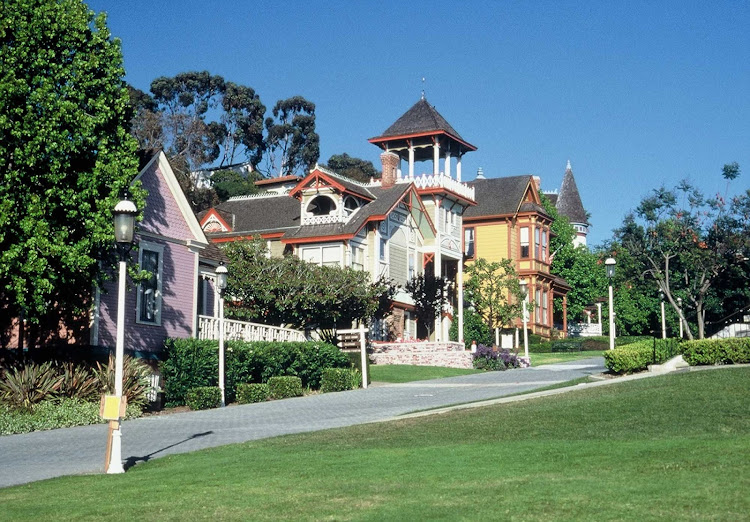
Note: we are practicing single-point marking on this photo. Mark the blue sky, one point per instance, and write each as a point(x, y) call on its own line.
point(634, 94)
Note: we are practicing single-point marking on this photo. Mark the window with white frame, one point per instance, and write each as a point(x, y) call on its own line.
point(469, 242)
point(148, 298)
point(545, 251)
point(322, 255)
point(537, 243)
point(545, 317)
point(524, 237)
point(412, 265)
point(358, 258)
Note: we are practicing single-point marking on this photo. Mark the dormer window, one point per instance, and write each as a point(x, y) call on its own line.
point(321, 206)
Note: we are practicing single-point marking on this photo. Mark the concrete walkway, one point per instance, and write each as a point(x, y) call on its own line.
point(68, 451)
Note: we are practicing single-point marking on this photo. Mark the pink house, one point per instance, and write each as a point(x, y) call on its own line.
point(169, 243)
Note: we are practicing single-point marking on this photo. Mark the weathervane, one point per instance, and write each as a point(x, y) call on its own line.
point(423, 87)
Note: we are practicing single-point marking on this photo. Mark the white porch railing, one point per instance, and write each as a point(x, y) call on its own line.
point(208, 328)
point(440, 181)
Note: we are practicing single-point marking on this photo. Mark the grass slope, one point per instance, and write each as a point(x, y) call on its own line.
point(670, 447)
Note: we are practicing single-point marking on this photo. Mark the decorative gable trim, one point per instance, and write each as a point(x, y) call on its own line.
point(213, 223)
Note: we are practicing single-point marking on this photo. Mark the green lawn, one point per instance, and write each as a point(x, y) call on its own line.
point(670, 447)
point(408, 373)
point(537, 359)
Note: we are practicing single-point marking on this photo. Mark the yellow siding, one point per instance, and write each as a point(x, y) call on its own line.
point(491, 242)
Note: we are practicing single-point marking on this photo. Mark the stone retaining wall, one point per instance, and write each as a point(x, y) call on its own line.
point(447, 354)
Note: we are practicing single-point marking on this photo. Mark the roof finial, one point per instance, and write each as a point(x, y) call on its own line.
point(423, 87)
point(568, 167)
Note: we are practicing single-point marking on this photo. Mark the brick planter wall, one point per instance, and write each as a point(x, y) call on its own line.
point(448, 354)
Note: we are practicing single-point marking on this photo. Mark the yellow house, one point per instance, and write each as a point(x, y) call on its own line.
point(509, 222)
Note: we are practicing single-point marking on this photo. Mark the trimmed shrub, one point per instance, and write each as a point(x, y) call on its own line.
point(340, 379)
point(633, 358)
point(252, 392)
point(284, 386)
point(191, 363)
point(717, 351)
point(204, 398)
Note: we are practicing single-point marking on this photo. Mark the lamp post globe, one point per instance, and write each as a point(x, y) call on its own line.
point(124, 221)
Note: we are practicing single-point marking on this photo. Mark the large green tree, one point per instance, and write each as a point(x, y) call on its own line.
point(687, 245)
point(289, 291)
point(65, 154)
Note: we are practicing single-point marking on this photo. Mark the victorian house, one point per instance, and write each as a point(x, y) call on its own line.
point(397, 227)
point(509, 222)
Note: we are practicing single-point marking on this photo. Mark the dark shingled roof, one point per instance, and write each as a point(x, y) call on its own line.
point(261, 214)
point(214, 253)
point(569, 200)
point(499, 196)
point(552, 197)
point(349, 184)
point(421, 118)
point(386, 199)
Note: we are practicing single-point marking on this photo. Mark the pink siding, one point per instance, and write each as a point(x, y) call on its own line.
point(162, 215)
point(177, 311)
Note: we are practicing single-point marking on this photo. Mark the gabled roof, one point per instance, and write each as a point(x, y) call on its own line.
point(385, 200)
point(152, 157)
point(502, 196)
point(421, 119)
point(320, 176)
point(569, 200)
point(260, 214)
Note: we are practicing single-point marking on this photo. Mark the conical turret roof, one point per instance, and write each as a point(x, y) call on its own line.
point(569, 200)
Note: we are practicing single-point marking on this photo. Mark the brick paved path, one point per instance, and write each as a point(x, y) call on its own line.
point(39, 455)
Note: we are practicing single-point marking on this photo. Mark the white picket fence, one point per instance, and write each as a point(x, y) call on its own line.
point(244, 331)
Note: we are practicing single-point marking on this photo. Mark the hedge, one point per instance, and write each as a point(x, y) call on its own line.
point(340, 379)
point(638, 355)
point(204, 398)
point(192, 363)
point(717, 351)
point(284, 386)
point(252, 392)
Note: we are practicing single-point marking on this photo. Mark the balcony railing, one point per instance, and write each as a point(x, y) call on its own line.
point(426, 181)
point(244, 331)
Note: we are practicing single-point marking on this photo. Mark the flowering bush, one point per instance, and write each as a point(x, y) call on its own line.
point(487, 358)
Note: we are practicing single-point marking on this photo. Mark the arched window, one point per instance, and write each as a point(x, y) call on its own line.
point(321, 206)
point(350, 205)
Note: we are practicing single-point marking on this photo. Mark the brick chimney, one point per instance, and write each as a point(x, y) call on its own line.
point(390, 163)
point(538, 183)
